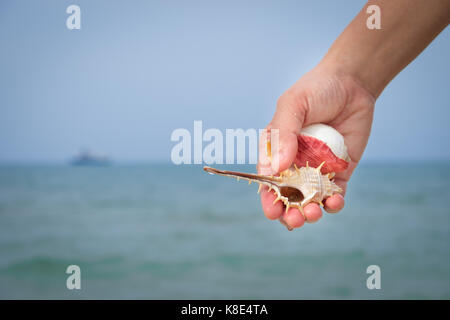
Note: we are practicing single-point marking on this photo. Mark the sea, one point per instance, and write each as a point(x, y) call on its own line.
point(161, 231)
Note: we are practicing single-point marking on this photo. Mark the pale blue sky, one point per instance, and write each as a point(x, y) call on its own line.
point(137, 70)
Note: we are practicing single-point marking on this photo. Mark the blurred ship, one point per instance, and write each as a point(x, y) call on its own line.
point(87, 158)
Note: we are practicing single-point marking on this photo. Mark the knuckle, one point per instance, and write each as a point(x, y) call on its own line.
point(285, 99)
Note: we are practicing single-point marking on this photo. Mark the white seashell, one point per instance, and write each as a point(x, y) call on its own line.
point(330, 136)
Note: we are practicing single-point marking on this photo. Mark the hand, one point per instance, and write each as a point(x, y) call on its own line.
point(341, 91)
point(321, 96)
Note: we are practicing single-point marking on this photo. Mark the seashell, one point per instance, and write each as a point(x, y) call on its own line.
point(295, 187)
point(318, 143)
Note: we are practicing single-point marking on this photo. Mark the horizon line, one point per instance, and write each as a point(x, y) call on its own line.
point(168, 162)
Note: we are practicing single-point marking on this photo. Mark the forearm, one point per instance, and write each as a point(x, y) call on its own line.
point(375, 57)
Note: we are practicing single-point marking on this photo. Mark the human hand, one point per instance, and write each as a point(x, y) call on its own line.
point(341, 91)
point(327, 96)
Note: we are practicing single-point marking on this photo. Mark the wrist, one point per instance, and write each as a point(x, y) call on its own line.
point(353, 68)
point(356, 85)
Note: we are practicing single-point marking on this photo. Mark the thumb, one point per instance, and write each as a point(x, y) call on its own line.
point(288, 119)
point(284, 150)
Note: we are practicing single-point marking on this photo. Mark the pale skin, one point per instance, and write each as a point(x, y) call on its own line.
point(342, 89)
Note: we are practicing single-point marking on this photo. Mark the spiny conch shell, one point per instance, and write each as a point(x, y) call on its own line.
point(296, 187)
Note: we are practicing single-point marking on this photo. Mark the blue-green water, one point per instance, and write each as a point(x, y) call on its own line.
point(162, 231)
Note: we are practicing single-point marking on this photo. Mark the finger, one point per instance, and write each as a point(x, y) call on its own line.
point(341, 178)
point(293, 218)
point(290, 112)
point(288, 120)
point(312, 212)
point(285, 151)
point(271, 210)
point(334, 204)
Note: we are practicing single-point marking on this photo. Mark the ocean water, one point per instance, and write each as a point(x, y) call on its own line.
point(174, 232)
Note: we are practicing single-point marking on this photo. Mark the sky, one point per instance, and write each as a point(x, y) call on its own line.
point(137, 70)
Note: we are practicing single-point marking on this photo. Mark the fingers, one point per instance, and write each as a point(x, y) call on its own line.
point(284, 127)
point(290, 112)
point(272, 211)
point(284, 152)
point(312, 212)
point(334, 204)
point(293, 217)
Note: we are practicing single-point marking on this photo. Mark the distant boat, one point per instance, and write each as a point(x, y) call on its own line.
point(86, 158)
